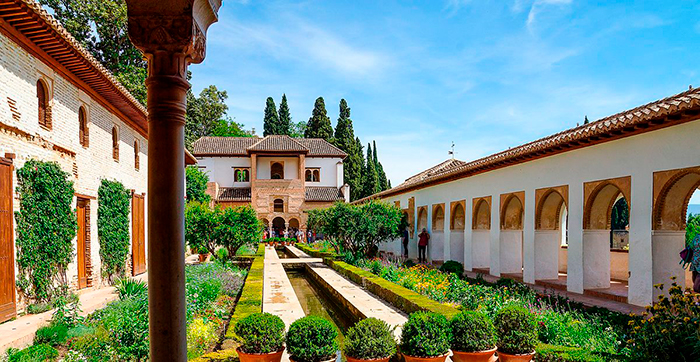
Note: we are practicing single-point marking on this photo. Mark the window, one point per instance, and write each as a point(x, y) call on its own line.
point(83, 133)
point(115, 143)
point(136, 154)
point(241, 175)
point(313, 175)
point(42, 95)
point(278, 205)
point(277, 171)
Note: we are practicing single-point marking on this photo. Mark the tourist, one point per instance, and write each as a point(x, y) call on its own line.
point(695, 263)
point(286, 233)
point(405, 242)
point(423, 246)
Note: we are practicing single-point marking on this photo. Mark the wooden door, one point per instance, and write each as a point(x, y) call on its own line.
point(138, 235)
point(82, 244)
point(7, 253)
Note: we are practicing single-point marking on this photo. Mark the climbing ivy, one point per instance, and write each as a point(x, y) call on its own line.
point(46, 226)
point(113, 227)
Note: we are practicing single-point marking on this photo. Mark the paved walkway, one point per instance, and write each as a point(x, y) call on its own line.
point(20, 332)
point(278, 295)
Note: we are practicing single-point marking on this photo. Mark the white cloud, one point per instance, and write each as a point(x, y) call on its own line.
point(539, 5)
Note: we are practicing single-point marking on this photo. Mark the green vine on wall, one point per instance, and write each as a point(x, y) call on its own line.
point(113, 227)
point(46, 227)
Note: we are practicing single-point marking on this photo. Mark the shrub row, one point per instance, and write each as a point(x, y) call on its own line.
point(316, 253)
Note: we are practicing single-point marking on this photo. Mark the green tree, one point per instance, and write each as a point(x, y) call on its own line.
point(196, 184)
point(692, 228)
point(357, 229)
point(206, 115)
point(271, 119)
point(381, 176)
point(345, 140)
point(620, 215)
point(371, 179)
point(200, 224)
point(238, 226)
point(46, 226)
point(297, 129)
point(319, 125)
point(285, 118)
point(113, 227)
point(359, 191)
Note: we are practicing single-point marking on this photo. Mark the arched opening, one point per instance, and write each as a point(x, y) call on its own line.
point(115, 143)
point(438, 218)
point(606, 268)
point(308, 175)
point(422, 219)
point(277, 171)
point(294, 223)
point(278, 205)
point(550, 234)
point(83, 133)
point(278, 226)
point(136, 155)
point(676, 223)
point(457, 221)
point(42, 95)
point(481, 228)
point(511, 235)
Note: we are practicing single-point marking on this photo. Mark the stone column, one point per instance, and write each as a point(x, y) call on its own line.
point(171, 34)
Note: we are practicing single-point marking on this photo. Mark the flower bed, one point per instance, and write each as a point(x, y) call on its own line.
point(560, 323)
point(119, 332)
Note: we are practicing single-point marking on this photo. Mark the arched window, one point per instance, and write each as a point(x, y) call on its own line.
point(278, 205)
point(83, 133)
point(308, 175)
point(277, 171)
point(241, 175)
point(317, 176)
point(136, 154)
point(115, 143)
point(42, 95)
point(312, 175)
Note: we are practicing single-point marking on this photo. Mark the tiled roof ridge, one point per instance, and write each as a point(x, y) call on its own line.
point(324, 140)
point(600, 129)
point(66, 36)
point(439, 166)
point(286, 137)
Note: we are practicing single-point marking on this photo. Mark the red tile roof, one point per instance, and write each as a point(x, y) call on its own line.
point(242, 146)
point(234, 194)
point(324, 194)
point(278, 143)
point(680, 108)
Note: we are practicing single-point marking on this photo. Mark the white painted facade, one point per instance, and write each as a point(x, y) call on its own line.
point(653, 255)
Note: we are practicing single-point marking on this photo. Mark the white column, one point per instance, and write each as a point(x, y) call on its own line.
point(429, 227)
point(574, 254)
point(596, 259)
point(495, 237)
point(447, 233)
point(528, 249)
point(468, 238)
point(640, 254)
point(511, 253)
point(547, 244)
point(665, 246)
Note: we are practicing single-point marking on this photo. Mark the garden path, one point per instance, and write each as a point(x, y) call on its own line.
point(278, 295)
point(19, 333)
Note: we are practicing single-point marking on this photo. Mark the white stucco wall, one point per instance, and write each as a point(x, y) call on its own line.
point(291, 167)
point(329, 170)
point(220, 169)
point(636, 156)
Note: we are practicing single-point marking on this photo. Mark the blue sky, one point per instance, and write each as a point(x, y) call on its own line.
point(487, 74)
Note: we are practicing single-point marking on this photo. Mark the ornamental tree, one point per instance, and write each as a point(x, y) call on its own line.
point(237, 226)
point(319, 125)
point(200, 223)
point(285, 118)
point(113, 227)
point(271, 119)
point(46, 226)
point(357, 229)
point(196, 185)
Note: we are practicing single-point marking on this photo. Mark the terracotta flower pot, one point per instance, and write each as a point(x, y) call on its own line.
point(260, 357)
point(203, 257)
point(350, 359)
point(332, 359)
point(408, 358)
point(481, 356)
point(505, 357)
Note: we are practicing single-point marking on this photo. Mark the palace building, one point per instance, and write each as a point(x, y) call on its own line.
point(280, 176)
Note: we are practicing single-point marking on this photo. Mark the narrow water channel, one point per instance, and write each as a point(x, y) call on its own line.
point(315, 302)
point(282, 253)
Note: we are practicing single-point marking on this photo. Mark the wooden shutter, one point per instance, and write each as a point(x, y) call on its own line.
point(7, 252)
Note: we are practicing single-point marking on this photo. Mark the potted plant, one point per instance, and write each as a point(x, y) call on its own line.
point(262, 337)
point(203, 254)
point(370, 339)
point(516, 329)
point(473, 338)
point(425, 337)
point(312, 339)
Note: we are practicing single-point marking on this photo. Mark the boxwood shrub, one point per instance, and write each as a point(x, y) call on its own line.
point(452, 266)
point(312, 339)
point(472, 332)
point(425, 334)
point(260, 333)
point(370, 338)
point(517, 330)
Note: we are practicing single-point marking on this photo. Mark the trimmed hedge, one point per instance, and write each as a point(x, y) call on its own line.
point(398, 296)
point(316, 253)
point(250, 302)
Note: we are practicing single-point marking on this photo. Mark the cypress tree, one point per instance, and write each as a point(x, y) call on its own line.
point(345, 140)
point(271, 120)
point(319, 125)
point(371, 181)
point(381, 176)
point(359, 191)
point(285, 118)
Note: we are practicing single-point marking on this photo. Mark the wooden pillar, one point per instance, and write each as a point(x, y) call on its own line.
point(171, 34)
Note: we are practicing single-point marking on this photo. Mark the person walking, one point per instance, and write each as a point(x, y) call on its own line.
point(423, 239)
point(695, 263)
point(404, 239)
